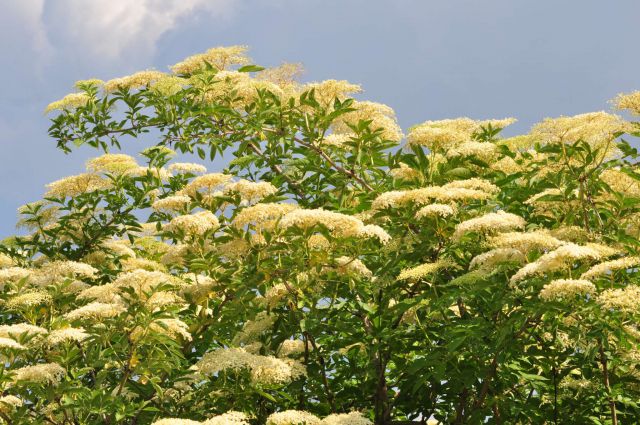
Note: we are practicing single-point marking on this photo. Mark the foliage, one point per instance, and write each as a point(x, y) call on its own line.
point(329, 271)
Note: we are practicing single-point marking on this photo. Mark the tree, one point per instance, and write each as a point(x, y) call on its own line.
point(332, 273)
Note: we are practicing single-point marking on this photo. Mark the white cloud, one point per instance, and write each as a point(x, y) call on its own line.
point(104, 29)
point(20, 25)
point(109, 28)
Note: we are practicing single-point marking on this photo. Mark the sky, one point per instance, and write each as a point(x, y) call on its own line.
point(428, 59)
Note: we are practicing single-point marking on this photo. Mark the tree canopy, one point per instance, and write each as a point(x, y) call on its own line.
point(335, 272)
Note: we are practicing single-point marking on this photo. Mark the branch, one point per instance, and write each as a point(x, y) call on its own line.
point(332, 163)
point(605, 379)
point(325, 381)
point(278, 170)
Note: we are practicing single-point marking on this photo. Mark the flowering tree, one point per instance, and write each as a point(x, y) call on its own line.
point(332, 273)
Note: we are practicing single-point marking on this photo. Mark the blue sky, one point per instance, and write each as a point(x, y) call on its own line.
point(427, 59)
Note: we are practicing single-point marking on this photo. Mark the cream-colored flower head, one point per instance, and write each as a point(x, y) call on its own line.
point(207, 184)
point(598, 129)
point(448, 133)
point(250, 191)
point(219, 57)
point(436, 210)
point(423, 270)
point(193, 224)
point(292, 417)
point(611, 266)
point(262, 216)
point(426, 195)
point(558, 259)
point(625, 299)
point(111, 163)
point(628, 101)
point(490, 223)
point(77, 185)
point(340, 225)
point(567, 289)
point(187, 168)
point(19, 330)
point(171, 203)
point(264, 369)
point(46, 373)
point(382, 118)
point(326, 92)
point(138, 80)
point(353, 418)
point(69, 102)
point(404, 172)
point(64, 335)
point(95, 311)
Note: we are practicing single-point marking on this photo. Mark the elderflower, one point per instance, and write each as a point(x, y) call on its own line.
point(485, 151)
point(60, 336)
point(263, 369)
point(450, 132)
point(340, 225)
point(17, 330)
point(610, 266)
point(291, 348)
point(566, 289)
point(135, 81)
point(491, 222)
point(337, 140)
point(9, 402)
point(492, 258)
point(229, 418)
point(251, 191)
point(187, 168)
point(625, 299)
point(525, 242)
point(50, 373)
point(292, 417)
point(69, 102)
point(28, 299)
point(171, 203)
point(473, 183)
point(435, 210)
point(326, 92)
point(354, 266)
point(207, 184)
point(8, 343)
point(382, 118)
point(252, 329)
point(6, 261)
point(597, 129)
point(426, 195)
point(621, 182)
point(218, 57)
point(404, 172)
point(628, 101)
point(262, 215)
point(274, 294)
point(557, 259)
point(353, 418)
point(193, 224)
point(173, 328)
point(111, 163)
point(418, 272)
point(95, 311)
point(77, 185)
point(174, 421)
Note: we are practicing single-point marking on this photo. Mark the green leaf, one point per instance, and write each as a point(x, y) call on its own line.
point(250, 68)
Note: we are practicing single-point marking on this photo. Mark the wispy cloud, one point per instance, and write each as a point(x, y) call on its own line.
point(106, 30)
point(21, 27)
